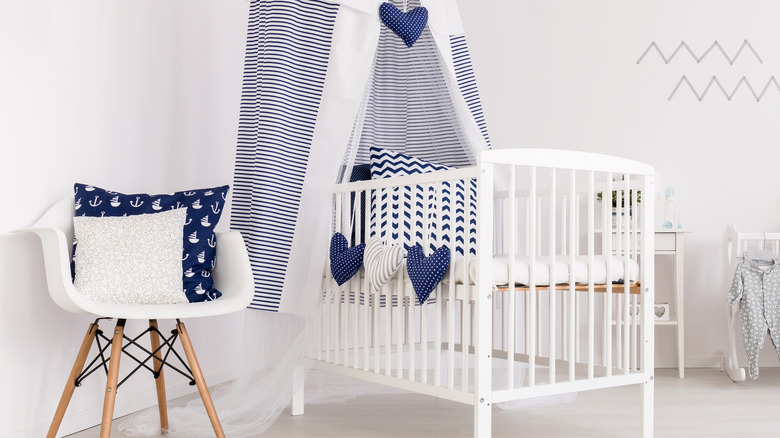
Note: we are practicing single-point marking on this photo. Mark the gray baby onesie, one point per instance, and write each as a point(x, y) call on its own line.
point(756, 286)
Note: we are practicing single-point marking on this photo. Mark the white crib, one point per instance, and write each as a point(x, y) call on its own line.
point(736, 245)
point(480, 341)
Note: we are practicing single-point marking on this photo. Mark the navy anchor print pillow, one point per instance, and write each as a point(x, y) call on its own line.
point(204, 208)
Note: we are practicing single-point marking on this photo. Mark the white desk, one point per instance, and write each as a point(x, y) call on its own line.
point(672, 242)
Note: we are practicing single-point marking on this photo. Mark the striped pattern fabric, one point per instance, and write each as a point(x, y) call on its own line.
point(381, 262)
point(288, 45)
point(467, 82)
point(396, 227)
point(408, 106)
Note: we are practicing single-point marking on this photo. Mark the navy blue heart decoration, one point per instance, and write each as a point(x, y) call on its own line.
point(407, 25)
point(344, 261)
point(426, 272)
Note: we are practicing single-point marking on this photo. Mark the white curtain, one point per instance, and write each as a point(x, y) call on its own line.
point(318, 76)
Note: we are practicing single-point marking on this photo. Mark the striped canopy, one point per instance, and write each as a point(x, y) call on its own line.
point(323, 82)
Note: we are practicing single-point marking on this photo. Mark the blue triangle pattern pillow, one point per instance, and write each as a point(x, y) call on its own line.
point(204, 208)
point(386, 164)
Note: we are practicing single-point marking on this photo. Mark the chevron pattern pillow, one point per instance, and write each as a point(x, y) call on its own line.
point(386, 164)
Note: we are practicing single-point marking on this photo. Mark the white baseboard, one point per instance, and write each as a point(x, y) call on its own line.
point(690, 362)
point(91, 417)
point(767, 360)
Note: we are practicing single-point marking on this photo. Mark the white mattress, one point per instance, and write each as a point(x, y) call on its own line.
point(542, 277)
point(582, 270)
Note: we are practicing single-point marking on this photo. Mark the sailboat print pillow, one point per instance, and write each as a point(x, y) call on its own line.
point(204, 208)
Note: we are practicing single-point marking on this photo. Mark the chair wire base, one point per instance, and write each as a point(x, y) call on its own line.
point(161, 354)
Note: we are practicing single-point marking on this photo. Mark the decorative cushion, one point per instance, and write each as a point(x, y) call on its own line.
point(407, 25)
point(382, 262)
point(344, 261)
point(385, 164)
point(204, 208)
point(425, 272)
point(131, 260)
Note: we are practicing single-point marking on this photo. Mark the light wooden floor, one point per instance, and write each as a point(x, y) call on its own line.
point(704, 404)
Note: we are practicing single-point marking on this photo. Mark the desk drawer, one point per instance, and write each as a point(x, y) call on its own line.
point(665, 241)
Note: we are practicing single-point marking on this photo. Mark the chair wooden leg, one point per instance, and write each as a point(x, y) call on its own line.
point(199, 381)
point(70, 386)
point(162, 403)
point(113, 377)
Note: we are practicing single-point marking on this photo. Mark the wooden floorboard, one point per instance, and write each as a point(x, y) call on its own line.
point(704, 404)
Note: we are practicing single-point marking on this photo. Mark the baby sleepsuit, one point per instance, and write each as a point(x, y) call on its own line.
point(756, 286)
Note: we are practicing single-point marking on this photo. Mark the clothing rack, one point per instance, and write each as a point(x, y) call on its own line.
point(736, 245)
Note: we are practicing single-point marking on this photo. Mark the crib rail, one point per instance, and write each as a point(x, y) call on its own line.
point(559, 321)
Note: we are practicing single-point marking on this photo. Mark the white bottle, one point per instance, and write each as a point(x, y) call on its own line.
point(669, 209)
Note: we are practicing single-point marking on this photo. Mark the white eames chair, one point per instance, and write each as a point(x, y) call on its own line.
point(232, 276)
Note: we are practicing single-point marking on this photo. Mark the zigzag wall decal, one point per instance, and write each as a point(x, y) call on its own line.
point(729, 96)
point(698, 59)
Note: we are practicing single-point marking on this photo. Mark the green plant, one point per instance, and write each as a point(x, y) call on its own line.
point(638, 198)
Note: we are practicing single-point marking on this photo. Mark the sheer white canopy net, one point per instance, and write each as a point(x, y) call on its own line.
point(324, 82)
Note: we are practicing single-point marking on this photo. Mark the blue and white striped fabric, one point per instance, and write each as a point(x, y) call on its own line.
point(409, 107)
point(287, 106)
point(467, 82)
point(387, 164)
point(287, 51)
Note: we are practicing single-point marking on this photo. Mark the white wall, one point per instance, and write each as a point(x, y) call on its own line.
point(135, 96)
point(564, 74)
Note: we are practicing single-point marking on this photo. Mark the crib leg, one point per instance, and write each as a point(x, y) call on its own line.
point(647, 407)
point(482, 420)
point(297, 397)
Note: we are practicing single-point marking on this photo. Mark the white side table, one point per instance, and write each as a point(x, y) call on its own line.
point(672, 242)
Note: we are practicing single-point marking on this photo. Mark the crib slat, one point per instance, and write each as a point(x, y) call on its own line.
point(363, 197)
point(465, 319)
point(451, 297)
point(469, 292)
point(531, 309)
point(437, 335)
point(634, 256)
point(411, 321)
point(389, 327)
point(591, 258)
point(344, 306)
point(626, 283)
point(551, 306)
point(399, 325)
point(327, 325)
point(527, 297)
point(438, 306)
point(572, 324)
point(606, 197)
point(510, 310)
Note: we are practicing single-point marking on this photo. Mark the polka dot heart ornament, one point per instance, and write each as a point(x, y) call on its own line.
point(426, 272)
point(407, 25)
point(344, 261)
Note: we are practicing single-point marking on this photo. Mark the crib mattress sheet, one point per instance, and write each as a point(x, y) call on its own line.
point(583, 270)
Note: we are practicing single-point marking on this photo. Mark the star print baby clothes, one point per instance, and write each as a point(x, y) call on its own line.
point(756, 285)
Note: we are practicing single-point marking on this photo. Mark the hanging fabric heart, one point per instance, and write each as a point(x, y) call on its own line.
point(344, 261)
point(426, 272)
point(407, 25)
point(382, 262)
